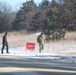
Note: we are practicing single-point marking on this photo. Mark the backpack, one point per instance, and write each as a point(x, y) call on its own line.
point(39, 39)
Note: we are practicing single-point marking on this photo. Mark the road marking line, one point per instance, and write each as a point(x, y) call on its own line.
point(17, 69)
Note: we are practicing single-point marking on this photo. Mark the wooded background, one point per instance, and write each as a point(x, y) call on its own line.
point(48, 17)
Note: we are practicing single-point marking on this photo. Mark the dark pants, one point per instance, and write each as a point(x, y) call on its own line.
point(5, 44)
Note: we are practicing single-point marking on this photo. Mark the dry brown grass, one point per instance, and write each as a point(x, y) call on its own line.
point(21, 38)
point(18, 38)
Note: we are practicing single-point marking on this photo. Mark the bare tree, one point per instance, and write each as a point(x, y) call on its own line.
point(5, 17)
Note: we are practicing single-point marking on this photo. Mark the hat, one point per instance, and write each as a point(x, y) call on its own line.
point(5, 33)
point(41, 33)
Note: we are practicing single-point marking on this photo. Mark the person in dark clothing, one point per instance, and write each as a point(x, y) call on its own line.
point(4, 43)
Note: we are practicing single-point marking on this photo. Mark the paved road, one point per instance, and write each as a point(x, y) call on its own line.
point(17, 65)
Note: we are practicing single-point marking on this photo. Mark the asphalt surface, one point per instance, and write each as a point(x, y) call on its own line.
point(17, 65)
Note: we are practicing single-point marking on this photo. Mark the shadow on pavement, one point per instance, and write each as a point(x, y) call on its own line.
point(37, 73)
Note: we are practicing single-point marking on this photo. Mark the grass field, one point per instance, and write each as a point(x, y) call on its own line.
point(18, 39)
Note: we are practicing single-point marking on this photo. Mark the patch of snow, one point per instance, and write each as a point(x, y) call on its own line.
point(38, 33)
point(21, 51)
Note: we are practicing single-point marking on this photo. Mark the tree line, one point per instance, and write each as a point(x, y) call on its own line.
point(49, 17)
